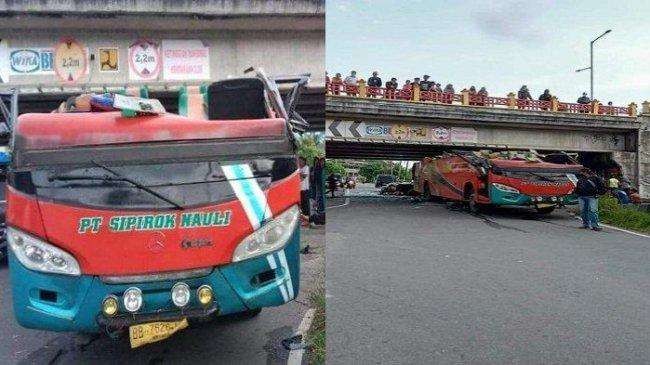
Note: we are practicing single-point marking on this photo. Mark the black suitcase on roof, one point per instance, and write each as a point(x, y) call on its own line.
point(241, 98)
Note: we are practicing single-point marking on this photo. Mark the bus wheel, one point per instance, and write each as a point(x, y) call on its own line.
point(472, 205)
point(426, 195)
point(545, 210)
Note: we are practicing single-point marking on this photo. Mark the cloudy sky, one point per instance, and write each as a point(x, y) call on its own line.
point(497, 44)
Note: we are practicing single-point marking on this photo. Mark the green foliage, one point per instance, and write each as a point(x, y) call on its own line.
point(625, 217)
point(310, 146)
point(316, 336)
point(334, 167)
point(371, 169)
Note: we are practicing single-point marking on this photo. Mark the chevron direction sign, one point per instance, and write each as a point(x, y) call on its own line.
point(353, 129)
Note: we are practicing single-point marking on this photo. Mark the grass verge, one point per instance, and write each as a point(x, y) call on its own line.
point(610, 212)
point(316, 335)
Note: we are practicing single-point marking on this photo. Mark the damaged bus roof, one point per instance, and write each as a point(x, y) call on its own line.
point(51, 138)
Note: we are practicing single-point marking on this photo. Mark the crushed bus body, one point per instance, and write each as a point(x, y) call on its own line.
point(142, 223)
point(480, 179)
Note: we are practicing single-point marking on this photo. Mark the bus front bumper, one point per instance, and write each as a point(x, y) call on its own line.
point(74, 303)
point(500, 197)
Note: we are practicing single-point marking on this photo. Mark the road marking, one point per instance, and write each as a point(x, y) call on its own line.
point(347, 201)
point(295, 356)
point(618, 229)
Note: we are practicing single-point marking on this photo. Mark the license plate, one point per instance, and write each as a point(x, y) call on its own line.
point(544, 205)
point(142, 334)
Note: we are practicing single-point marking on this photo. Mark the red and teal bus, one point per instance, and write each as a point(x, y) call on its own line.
point(142, 223)
point(481, 180)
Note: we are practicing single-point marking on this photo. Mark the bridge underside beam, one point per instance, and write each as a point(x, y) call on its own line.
point(394, 152)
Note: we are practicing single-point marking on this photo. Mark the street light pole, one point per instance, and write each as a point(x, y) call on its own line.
point(591, 63)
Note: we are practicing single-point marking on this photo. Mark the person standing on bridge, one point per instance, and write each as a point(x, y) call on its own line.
point(425, 84)
point(449, 94)
point(336, 83)
point(546, 96)
point(351, 84)
point(588, 187)
point(584, 99)
point(374, 83)
point(524, 96)
point(391, 86)
point(482, 96)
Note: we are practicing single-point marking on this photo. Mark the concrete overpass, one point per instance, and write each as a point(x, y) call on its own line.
point(282, 36)
point(378, 128)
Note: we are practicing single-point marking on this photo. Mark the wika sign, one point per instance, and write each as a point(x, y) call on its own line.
point(31, 61)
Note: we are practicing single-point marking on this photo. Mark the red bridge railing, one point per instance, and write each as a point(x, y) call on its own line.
point(473, 99)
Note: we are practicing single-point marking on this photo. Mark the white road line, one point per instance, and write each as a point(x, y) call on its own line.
point(295, 356)
point(618, 229)
point(347, 201)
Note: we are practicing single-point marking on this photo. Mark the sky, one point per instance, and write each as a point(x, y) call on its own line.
point(497, 44)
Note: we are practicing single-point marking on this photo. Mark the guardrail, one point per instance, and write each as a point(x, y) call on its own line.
point(361, 90)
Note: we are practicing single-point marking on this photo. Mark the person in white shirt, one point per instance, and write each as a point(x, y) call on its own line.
point(304, 185)
point(352, 79)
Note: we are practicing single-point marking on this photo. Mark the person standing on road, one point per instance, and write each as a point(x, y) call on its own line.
point(304, 186)
point(588, 188)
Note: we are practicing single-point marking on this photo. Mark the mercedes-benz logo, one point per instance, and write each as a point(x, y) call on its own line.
point(156, 242)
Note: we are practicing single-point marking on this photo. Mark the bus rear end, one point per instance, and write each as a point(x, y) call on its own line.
point(144, 223)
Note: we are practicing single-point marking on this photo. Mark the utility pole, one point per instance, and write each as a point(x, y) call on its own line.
point(591, 64)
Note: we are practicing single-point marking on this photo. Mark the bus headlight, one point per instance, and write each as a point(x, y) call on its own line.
point(270, 237)
point(180, 294)
point(36, 254)
point(132, 299)
point(505, 188)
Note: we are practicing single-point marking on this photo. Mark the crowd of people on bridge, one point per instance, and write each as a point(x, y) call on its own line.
point(433, 91)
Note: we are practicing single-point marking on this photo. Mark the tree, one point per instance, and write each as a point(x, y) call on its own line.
point(334, 167)
point(309, 146)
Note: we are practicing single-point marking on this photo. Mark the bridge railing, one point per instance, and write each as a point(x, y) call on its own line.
point(361, 90)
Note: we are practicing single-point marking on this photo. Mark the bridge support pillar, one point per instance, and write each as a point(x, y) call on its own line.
point(643, 154)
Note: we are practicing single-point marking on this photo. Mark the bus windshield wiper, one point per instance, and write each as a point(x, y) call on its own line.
point(138, 185)
point(541, 176)
point(117, 177)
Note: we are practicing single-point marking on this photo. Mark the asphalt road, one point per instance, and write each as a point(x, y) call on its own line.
point(421, 283)
point(225, 341)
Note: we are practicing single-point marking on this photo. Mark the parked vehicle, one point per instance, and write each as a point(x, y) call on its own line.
point(384, 179)
point(144, 223)
point(481, 179)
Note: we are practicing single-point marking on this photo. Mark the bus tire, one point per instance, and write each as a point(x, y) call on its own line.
point(426, 195)
point(545, 210)
point(470, 199)
point(472, 205)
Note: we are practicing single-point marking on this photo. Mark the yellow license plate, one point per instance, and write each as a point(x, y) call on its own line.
point(142, 334)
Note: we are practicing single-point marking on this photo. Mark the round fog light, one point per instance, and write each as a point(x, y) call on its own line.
point(205, 294)
point(132, 299)
point(109, 305)
point(180, 294)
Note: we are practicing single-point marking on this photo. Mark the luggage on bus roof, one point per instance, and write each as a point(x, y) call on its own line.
point(241, 98)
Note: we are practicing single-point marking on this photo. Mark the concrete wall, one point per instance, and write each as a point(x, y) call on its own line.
point(462, 133)
point(205, 7)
